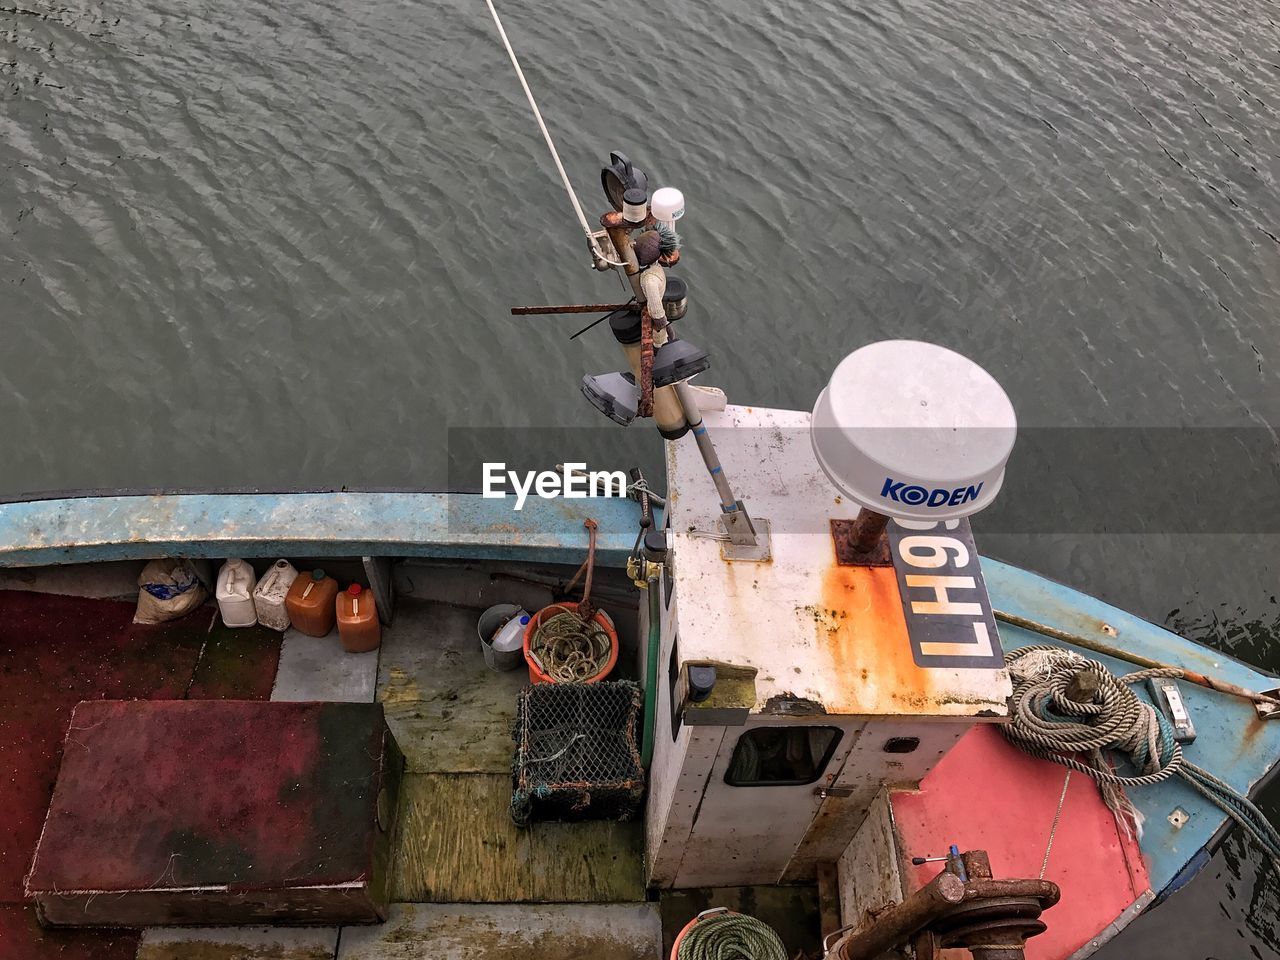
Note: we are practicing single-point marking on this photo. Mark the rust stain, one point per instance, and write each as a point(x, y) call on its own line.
point(861, 626)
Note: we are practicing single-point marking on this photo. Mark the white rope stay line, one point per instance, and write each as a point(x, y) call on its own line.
point(546, 135)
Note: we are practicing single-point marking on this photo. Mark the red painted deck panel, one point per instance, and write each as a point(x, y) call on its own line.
point(161, 804)
point(985, 794)
point(56, 651)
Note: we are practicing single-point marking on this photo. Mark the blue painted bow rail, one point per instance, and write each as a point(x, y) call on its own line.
point(353, 524)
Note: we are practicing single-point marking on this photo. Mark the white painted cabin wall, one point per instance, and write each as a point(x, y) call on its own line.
point(679, 768)
point(748, 835)
point(683, 770)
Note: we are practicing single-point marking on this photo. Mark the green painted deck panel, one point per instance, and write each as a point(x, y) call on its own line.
point(457, 844)
point(449, 712)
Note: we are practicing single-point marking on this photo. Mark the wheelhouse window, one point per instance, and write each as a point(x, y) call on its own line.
point(781, 756)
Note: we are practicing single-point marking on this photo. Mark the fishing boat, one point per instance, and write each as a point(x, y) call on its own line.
point(844, 728)
point(788, 708)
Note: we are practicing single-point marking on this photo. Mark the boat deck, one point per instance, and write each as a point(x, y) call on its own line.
point(465, 878)
point(453, 718)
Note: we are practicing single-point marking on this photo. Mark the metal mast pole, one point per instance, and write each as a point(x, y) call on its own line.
point(737, 521)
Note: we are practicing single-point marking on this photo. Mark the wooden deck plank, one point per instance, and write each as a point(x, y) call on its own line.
point(457, 844)
point(238, 943)
point(614, 931)
point(447, 709)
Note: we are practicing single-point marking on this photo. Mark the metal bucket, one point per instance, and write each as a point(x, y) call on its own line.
point(489, 623)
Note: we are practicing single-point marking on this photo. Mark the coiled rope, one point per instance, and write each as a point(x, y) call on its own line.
point(1111, 730)
point(570, 650)
point(730, 936)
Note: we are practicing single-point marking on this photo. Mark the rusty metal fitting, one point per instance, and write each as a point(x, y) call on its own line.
point(861, 542)
point(992, 919)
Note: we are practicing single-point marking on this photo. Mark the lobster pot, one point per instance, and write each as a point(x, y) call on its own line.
point(577, 753)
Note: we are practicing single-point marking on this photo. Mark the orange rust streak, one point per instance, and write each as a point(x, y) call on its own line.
point(863, 629)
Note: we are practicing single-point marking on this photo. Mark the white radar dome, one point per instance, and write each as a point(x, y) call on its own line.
point(914, 430)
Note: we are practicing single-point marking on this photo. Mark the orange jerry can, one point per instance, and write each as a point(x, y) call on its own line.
point(358, 624)
point(310, 603)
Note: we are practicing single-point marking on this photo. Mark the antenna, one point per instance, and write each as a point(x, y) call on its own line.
point(657, 385)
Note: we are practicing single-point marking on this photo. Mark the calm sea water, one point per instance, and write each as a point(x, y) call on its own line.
point(274, 244)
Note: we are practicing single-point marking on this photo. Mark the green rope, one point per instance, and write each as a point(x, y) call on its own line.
point(731, 936)
point(570, 650)
point(1114, 725)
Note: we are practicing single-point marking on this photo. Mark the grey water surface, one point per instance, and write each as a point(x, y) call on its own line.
point(274, 245)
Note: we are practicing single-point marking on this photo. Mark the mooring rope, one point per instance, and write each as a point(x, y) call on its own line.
point(1111, 723)
point(730, 936)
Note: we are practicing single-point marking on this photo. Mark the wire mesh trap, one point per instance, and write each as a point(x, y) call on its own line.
point(577, 757)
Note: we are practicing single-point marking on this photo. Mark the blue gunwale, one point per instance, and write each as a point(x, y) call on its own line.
point(94, 528)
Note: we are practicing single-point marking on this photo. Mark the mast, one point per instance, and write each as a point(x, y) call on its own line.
point(661, 364)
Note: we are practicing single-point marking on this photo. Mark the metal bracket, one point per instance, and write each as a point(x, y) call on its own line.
point(1268, 711)
point(758, 550)
point(824, 792)
point(640, 571)
point(381, 585)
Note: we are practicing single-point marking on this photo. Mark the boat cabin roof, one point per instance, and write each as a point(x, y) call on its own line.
point(823, 637)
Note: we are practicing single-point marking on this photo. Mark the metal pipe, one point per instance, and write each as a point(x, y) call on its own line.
point(902, 920)
point(652, 646)
point(569, 308)
point(737, 522)
point(620, 236)
point(868, 527)
point(689, 402)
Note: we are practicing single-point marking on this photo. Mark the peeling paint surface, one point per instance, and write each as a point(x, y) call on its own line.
point(273, 816)
point(353, 524)
point(815, 630)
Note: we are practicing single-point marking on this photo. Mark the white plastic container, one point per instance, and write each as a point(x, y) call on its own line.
point(235, 594)
point(269, 596)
